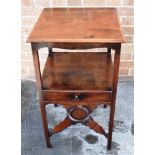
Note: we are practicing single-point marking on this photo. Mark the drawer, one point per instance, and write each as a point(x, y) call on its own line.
point(77, 97)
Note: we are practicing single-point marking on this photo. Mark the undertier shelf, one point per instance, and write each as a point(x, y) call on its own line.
point(83, 71)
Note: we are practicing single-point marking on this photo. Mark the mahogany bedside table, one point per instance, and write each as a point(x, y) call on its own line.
point(80, 81)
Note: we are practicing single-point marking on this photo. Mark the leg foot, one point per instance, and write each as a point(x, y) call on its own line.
point(105, 106)
point(48, 143)
point(56, 105)
point(109, 145)
point(45, 125)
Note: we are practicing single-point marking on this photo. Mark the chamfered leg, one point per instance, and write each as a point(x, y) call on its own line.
point(39, 90)
point(114, 91)
point(45, 125)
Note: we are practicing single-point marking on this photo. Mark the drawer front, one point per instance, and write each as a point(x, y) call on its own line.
point(77, 98)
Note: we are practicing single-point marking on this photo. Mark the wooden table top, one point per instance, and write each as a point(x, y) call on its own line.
point(80, 25)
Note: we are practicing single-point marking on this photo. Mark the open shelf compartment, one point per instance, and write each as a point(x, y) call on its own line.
point(81, 71)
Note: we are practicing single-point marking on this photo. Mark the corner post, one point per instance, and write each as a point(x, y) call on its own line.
point(114, 92)
point(36, 63)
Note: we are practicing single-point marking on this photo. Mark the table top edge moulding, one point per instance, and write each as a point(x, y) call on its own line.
point(55, 26)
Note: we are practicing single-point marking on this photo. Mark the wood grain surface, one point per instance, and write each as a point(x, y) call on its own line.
point(78, 71)
point(91, 25)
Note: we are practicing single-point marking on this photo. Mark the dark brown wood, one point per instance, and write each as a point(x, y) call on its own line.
point(78, 81)
point(37, 69)
point(78, 71)
point(88, 98)
point(45, 125)
point(78, 114)
point(39, 89)
point(74, 45)
point(63, 125)
point(95, 126)
point(109, 51)
point(50, 51)
point(91, 25)
point(114, 92)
